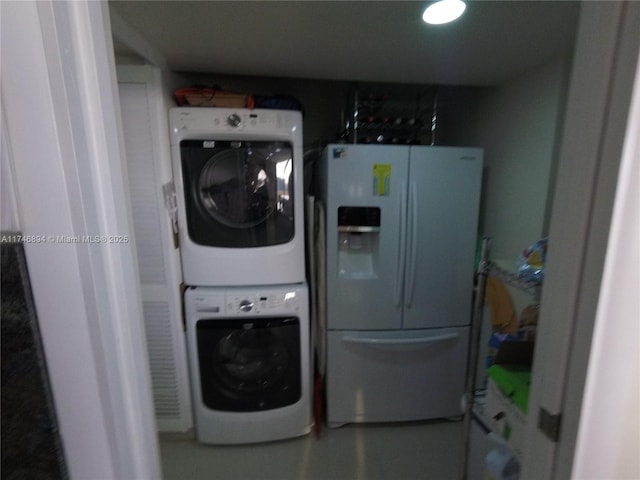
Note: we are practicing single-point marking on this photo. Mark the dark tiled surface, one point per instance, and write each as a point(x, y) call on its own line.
point(31, 446)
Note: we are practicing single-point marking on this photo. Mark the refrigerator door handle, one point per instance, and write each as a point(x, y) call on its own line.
point(401, 250)
point(413, 246)
point(399, 341)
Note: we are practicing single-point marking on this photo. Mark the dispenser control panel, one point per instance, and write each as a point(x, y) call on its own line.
point(358, 219)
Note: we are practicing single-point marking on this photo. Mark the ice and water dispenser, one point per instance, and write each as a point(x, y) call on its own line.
point(358, 241)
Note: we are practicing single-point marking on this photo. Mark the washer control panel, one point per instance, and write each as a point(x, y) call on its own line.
point(238, 303)
point(261, 304)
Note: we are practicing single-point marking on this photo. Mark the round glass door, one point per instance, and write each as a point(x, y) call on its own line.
point(248, 361)
point(243, 187)
point(238, 194)
point(237, 191)
point(249, 365)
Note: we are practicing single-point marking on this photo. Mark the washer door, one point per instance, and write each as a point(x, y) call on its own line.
point(238, 194)
point(249, 365)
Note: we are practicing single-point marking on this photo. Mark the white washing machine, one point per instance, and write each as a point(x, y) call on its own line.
point(249, 362)
point(239, 187)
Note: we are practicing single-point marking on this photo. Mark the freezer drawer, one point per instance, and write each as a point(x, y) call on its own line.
point(387, 376)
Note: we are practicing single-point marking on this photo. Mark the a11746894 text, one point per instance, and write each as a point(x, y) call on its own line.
point(63, 239)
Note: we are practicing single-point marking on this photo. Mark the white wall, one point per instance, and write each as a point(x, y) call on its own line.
point(517, 124)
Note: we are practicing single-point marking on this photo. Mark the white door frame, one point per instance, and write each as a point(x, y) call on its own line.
point(59, 98)
point(604, 66)
point(609, 449)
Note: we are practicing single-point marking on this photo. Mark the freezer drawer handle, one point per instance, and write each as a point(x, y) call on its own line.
point(400, 341)
point(358, 229)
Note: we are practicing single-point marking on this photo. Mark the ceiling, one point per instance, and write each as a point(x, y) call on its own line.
point(378, 41)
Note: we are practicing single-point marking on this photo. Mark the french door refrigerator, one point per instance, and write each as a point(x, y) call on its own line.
point(401, 229)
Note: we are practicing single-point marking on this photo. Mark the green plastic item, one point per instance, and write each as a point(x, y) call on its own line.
point(514, 382)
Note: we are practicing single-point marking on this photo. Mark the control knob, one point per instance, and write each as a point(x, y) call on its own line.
point(246, 305)
point(234, 120)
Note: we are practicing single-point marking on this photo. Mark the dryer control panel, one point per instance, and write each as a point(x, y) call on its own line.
point(201, 122)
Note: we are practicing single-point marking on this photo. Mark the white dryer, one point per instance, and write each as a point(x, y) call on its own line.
point(249, 363)
point(238, 178)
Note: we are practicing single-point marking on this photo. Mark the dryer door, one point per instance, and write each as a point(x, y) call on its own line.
point(238, 194)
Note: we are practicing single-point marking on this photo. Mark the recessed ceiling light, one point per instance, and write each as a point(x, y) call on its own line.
point(444, 11)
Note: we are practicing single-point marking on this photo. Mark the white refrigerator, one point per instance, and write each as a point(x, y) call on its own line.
point(401, 229)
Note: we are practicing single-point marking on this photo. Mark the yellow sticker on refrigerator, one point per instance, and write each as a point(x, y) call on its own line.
point(381, 179)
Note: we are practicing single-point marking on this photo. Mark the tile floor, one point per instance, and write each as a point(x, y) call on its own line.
point(425, 450)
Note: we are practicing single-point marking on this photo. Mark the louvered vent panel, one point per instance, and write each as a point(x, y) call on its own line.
point(146, 151)
point(145, 206)
point(161, 359)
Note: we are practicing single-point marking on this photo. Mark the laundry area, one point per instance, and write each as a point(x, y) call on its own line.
point(332, 241)
point(342, 218)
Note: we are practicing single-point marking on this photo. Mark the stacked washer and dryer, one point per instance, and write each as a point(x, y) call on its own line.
point(239, 187)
